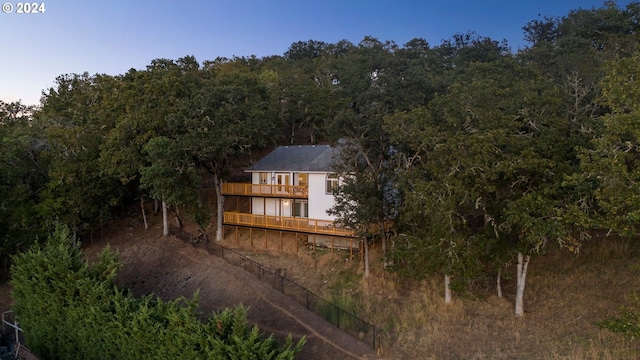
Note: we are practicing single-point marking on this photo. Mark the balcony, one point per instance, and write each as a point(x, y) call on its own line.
point(288, 191)
point(311, 226)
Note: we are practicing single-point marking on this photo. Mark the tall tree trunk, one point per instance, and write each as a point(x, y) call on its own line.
point(447, 289)
point(292, 136)
point(144, 213)
point(366, 258)
point(165, 219)
point(385, 264)
point(523, 262)
point(155, 206)
point(499, 283)
point(176, 214)
point(217, 184)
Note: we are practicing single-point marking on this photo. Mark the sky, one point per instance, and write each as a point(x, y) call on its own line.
point(113, 36)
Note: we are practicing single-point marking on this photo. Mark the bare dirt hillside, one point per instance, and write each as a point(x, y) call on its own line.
point(170, 268)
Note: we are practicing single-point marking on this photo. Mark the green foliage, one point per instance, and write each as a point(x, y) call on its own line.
point(612, 165)
point(70, 310)
point(74, 118)
point(171, 175)
point(23, 175)
point(628, 320)
point(470, 160)
point(341, 311)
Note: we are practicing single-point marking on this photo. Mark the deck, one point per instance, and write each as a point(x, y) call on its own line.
point(245, 189)
point(305, 225)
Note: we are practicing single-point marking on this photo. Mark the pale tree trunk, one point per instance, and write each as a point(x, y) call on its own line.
point(523, 262)
point(176, 214)
point(366, 258)
point(384, 248)
point(447, 289)
point(165, 219)
point(144, 213)
point(499, 284)
point(217, 184)
point(388, 261)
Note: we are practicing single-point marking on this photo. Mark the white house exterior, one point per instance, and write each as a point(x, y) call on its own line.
point(291, 189)
point(289, 167)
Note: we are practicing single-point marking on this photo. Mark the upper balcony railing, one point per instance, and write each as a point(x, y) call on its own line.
point(289, 191)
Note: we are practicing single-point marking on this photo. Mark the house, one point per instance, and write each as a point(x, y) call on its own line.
point(291, 189)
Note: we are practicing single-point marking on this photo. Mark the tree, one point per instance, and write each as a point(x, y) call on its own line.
point(75, 119)
point(475, 162)
point(147, 102)
point(365, 201)
point(228, 117)
point(171, 176)
point(23, 176)
point(613, 163)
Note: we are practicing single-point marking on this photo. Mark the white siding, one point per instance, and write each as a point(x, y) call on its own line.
point(319, 200)
point(286, 206)
point(257, 206)
point(273, 207)
point(255, 178)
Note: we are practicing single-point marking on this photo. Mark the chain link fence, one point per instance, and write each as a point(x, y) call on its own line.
point(337, 316)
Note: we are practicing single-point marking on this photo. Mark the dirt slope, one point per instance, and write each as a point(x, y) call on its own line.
point(170, 269)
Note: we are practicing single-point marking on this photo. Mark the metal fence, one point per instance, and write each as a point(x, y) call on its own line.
point(339, 317)
point(14, 337)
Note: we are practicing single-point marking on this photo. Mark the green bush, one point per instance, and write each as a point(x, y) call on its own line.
point(69, 310)
point(628, 320)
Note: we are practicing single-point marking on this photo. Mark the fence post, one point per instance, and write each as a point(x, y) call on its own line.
point(374, 337)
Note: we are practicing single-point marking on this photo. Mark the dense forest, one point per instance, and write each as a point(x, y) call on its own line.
point(471, 156)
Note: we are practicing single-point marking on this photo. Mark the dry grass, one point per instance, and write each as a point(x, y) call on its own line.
point(566, 296)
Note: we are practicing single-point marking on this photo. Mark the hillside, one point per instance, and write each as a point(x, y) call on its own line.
point(169, 268)
point(566, 295)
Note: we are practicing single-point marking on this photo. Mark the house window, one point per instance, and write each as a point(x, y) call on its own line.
point(301, 179)
point(263, 177)
point(332, 183)
point(301, 208)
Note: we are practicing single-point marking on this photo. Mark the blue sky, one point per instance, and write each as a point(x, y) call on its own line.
point(112, 36)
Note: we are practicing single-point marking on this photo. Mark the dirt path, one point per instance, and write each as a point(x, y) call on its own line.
point(170, 269)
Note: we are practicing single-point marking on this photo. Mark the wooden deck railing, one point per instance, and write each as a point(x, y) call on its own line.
point(290, 191)
point(312, 226)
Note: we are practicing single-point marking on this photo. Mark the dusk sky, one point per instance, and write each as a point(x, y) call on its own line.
point(112, 36)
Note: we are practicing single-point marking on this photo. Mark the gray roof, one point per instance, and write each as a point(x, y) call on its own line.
point(299, 158)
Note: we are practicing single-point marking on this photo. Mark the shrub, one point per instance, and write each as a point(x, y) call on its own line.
point(628, 320)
